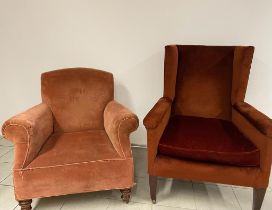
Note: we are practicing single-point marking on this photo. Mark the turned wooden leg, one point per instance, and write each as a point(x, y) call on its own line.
point(126, 194)
point(258, 196)
point(153, 188)
point(25, 205)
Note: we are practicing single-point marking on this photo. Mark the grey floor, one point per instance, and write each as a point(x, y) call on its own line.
point(172, 194)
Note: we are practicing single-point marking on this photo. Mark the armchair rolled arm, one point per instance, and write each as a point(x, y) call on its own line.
point(156, 114)
point(119, 122)
point(28, 131)
point(255, 117)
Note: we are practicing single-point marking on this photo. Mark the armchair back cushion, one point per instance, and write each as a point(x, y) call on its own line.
point(204, 78)
point(77, 97)
point(205, 81)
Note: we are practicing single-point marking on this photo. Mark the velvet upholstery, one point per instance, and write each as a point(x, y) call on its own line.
point(208, 140)
point(208, 82)
point(70, 148)
point(76, 141)
point(119, 123)
point(154, 118)
point(64, 91)
point(258, 119)
point(29, 131)
point(241, 68)
point(204, 78)
point(73, 178)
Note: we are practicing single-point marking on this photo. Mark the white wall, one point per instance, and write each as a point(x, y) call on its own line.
point(126, 37)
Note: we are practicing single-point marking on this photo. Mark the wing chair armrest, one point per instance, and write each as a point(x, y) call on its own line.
point(119, 122)
point(255, 117)
point(258, 129)
point(28, 131)
point(155, 122)
point(156, 114)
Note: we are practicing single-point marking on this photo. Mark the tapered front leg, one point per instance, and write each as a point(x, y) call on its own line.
point(153, 188)
point(258, 197)
point(25, 204)
point(126, 194)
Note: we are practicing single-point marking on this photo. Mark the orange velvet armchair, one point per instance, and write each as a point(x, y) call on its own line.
point(201, 129)
point(76, 140)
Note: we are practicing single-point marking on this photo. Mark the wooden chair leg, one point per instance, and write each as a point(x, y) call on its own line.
point(25, 204)
point(153, 188)
point(258, 197)
point(126, 194)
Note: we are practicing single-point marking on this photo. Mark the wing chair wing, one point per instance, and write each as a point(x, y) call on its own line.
point(201, 129)
point(76, 140)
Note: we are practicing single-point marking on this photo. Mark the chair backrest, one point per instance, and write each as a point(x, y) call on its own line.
point(205, 81)
point(77, 97)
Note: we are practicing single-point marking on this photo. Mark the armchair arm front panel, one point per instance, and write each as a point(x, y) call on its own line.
point(258, 119)
point(156, 114)
point(29, 130)
point(119, 122)
point(155, 123)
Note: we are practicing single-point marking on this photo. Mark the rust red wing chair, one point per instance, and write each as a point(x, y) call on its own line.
point(201, 129)
point(76, 140)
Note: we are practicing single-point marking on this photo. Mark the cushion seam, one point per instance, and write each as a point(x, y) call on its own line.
point(71, 164)
point(199, 150)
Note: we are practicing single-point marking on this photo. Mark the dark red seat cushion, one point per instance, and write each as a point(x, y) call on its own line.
point(209, 140)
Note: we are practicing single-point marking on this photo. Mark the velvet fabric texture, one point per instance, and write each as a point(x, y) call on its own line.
point(29, 131)
point(76, 141)
point(203, 84)
point(208, 140)
point(78, 98)
point(258, 119)
point(208, 84)
point(119, 122)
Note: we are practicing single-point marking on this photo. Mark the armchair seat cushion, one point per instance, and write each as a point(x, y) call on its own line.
point(209, 140)
point(76, 147)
